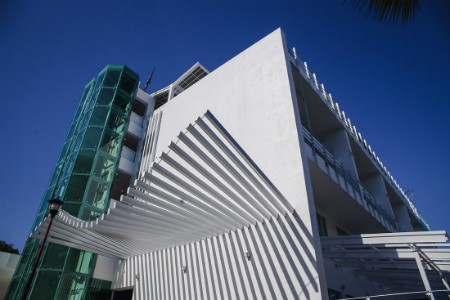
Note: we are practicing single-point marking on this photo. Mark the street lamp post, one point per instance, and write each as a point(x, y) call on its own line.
point(53, 206)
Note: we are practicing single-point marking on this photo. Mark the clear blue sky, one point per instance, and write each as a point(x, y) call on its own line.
point(393, 81)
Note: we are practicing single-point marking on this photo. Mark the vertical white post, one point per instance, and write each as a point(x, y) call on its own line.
point(423, 274)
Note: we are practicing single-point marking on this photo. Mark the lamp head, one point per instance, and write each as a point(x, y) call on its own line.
point(54, 205)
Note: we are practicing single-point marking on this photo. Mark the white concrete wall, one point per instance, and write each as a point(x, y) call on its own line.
point(105, 268)
point(251, 96)
point(8, 264)
point(218, 267)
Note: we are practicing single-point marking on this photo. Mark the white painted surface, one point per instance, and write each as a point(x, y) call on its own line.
point(105, 268)
point(8, 263)
point(251, 96)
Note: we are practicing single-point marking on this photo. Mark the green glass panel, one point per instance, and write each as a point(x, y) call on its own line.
point(92, 137)
point(84, 161)
point(100, 289)
point(105, 96)
point(76, 188)
point(54, 257)
point(127, 84)
point(91, 212)
point(99, 115)
point(116, 122)
point(64, 151)
point(111, 144)
point(105, 168)
point(72, 208)
point(98, 193)
point(99, 81)
point(12, 288)
point(77, 143)
point(55, 175)
point(39, 217)
point(25, 256)
point(79, 261)
point(45, 285)
point(112, 76)
point(62, 188)
point(69, 165)
point(83, 178)
point(121, 102)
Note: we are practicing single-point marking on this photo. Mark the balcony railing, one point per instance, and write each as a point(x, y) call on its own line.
point(334, 106)
point(319, 149)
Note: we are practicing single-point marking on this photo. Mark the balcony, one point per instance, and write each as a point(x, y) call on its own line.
point(135, 126)
point(327, 98)
point(325, 160)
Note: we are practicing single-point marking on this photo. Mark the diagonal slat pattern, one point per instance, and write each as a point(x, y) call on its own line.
point(203, 186)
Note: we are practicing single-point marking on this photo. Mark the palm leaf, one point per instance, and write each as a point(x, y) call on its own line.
point(388, 10)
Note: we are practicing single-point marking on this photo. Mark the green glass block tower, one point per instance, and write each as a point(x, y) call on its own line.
point(84, 178)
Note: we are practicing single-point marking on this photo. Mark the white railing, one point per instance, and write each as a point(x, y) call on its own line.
point(318, 148)
point(334, 106)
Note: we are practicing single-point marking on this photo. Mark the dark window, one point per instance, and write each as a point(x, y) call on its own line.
point(321, 222)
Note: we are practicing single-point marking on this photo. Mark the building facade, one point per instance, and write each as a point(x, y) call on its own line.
point(248, 182)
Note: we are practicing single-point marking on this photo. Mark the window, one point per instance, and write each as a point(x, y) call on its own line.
point(321, 222)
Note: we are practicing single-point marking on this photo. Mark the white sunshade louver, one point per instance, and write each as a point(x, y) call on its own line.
point(202, 186)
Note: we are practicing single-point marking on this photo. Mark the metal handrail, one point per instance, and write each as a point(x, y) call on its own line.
point(334, 106)
point(331, 161)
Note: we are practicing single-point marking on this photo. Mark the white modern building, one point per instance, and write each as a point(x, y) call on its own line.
point(249, 182)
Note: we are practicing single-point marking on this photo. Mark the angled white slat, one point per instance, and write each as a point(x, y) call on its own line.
point(182, 206)
point(238, 194)
point(224, 163)
point(205, 201)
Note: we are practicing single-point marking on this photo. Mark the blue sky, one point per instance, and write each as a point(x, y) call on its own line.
point(393, 81)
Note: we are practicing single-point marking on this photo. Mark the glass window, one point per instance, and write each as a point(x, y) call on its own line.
point(64, 151)
point(99, 81)
point(77, 143)
point(84, 161)
point(99, 115)
point(92, 137)
point(111, 78)
point(97, 193)
point(62, 188)
point(72, 208)
point(68, 167)
point(91, 213)
point(116, 122)
point(111, 144)
point(55, 174)
point(13, 288)
point(121, 103)
point(104, 168)
point(127, 84)
point(76, 188)
point(54, 257)
point(45, 285)
point(105, 96)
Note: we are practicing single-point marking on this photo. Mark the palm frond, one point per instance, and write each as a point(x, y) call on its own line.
point(388, 10)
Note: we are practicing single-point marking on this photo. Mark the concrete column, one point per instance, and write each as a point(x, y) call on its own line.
point(401, 214)
point(338, 144)
point(375, 185)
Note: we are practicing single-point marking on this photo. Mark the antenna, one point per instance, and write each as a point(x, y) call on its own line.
point(147, 83)
point(410, 193)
